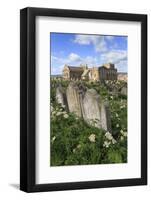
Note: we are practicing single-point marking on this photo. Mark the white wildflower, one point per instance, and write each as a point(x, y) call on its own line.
point(78, 146)
point(51, 108)
point(121, 138)
point(106, 144)
point(121, 131)
point(74, 150)
point(125, 134)
point(117, 125)
point(53, 113)
point(123, 106)
point(66, 116)
point(92, 138)
point(61, 109)
point(116, 115)
point(58, 113)
point(108, 135)
point(53, 139)
point(114, 141)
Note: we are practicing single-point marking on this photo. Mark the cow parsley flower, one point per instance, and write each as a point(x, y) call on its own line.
point(117, 125)
point(121, 138)
point(78, 146)
point(53, 139)
point(51, 108)
point(121, 131)
point(114, 141)
point(92, 138)
point(58, 113)
point(125, 134)
point(108, 135)
point(66, 116)
point(74, 150)
point(106, 144)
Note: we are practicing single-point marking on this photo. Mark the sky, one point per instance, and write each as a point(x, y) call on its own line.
point(93, 50)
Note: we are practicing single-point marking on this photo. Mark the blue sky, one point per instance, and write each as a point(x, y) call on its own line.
point(93, 50)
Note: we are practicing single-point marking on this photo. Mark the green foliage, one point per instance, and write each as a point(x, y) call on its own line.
point(74, 142)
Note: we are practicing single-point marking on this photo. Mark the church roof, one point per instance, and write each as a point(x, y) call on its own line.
point(76, 69)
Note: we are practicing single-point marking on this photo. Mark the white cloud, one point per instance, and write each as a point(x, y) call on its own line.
point(97, 41)
point(74, 57)
point(122, 66)
point(114, 56)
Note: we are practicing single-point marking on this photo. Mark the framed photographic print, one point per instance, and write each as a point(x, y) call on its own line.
point(83, 95)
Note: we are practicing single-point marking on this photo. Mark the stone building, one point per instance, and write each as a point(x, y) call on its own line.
point(105, 72)
point(94, 74)
point(72, 73)
point(108, 72)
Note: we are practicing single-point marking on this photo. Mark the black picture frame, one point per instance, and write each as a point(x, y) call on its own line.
point(28, 99)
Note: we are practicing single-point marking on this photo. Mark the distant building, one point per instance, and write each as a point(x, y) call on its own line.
point(72, 73)
point(108, 72)
point(105, 72)
point(94, 74)
point(122, 76)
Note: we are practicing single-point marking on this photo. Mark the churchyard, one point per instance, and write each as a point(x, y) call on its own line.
point(88, 122)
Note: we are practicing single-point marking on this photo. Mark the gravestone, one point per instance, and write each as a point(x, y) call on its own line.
point(124, 90)
point(105, 116)
point(60, 96)
point(95, 111)
point(73, 99)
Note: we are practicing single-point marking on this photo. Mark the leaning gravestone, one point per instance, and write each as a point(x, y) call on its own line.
point(105, 116)
point(73, 99)
point(124, 90)
point(60, 96)
point(94, 111)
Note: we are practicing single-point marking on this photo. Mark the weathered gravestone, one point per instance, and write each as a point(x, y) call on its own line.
point(124, 90)
point(60, 96)
point(105, 116)
point(95, 111)
point(73, 99)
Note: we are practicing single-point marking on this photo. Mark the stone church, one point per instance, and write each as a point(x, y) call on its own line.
point(105, 72)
